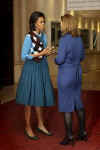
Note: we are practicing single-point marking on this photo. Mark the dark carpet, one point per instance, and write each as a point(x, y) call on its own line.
point(12, 126)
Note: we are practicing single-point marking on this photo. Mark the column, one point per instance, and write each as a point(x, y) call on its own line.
point(23, 19)
point(19, 12)
point(98, 36)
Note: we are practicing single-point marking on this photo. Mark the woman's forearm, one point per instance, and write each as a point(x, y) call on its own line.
point(37, 54)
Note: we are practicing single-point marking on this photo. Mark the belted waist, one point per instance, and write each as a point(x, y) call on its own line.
point(77, 68)
point(69, 65)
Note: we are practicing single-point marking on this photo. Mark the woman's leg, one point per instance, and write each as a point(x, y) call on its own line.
point(40, 119)
point(68, 139)
point(68, 123)
point(27, 119)
point(82, 128)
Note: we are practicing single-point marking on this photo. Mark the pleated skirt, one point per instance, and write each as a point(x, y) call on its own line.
point(35, 87)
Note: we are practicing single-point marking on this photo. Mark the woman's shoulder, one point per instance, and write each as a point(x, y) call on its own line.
point(66, 37)
point(27, 37)
point(78, 39)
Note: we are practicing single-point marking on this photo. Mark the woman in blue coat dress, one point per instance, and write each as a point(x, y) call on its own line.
point(35, 88)
point(70, 54)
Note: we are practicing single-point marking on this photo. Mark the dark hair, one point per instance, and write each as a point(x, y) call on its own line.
point(33, 18)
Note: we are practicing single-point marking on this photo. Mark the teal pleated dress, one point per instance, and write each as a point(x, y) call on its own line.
point(34, 87)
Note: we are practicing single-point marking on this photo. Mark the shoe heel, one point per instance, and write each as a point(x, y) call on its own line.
point(85, 138)
point(82, 137)
point(72, 142)
point(68, 141)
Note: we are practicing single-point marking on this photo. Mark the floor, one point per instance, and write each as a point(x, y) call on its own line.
point(7, 93)
point(12, 126)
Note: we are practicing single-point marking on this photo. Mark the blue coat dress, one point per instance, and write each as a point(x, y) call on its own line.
point(34, 87)
point(70, 54)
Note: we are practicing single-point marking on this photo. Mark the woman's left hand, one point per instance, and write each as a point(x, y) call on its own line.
point(52, 51)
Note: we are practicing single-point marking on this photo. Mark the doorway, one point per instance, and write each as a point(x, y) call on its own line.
point(6, 43)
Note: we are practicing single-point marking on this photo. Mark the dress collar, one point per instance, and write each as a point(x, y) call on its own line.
point(38, 34)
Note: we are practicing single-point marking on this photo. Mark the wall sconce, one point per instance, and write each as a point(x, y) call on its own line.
point(98, 26)
point(86, 24)
point(72, 12)
point(92, 25)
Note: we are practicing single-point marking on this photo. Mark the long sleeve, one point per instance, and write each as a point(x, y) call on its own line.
point(26, 48)
point(60, 58)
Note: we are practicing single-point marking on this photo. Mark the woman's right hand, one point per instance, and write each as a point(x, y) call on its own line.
point(46, 51)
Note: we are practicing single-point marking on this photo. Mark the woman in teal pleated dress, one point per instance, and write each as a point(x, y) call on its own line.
point(35, 88)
